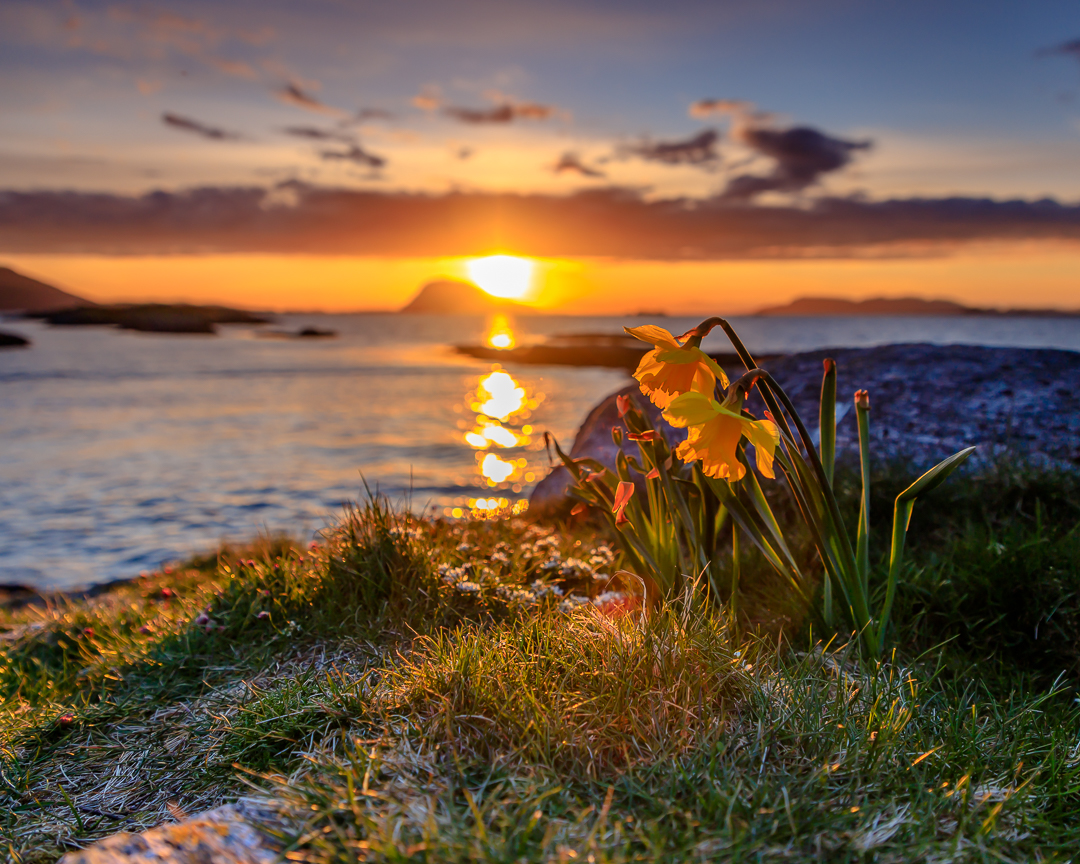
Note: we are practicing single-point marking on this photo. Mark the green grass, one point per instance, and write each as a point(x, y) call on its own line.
point(432, 691)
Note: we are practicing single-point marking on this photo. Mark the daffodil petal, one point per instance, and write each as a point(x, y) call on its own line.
point(648, 365)
point(653, 335)
point(721, 376)
point(764, 435)
point(691, 409)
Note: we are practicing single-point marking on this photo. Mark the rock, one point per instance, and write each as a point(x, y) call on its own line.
point(226, 835)
point(593, 440)
point(927, 402)
point(13, 340)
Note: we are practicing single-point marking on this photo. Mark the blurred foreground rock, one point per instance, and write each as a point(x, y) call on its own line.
point(223, 836)
point(927, 401)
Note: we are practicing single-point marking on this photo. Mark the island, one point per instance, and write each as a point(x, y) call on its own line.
point(454, 297)
point(151, 317)
point(19, 293)
point(838, 307)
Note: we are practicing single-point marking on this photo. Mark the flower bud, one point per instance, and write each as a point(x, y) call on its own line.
point(862, 400)
point(616, 436)
point(623, 404)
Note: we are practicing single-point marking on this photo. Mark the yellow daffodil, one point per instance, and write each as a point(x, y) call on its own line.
point(714, 435)
point(671, 369)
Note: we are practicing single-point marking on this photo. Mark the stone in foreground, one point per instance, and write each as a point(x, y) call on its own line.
point(222, 836)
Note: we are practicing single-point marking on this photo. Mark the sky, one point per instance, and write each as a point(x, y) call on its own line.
point(690, 156)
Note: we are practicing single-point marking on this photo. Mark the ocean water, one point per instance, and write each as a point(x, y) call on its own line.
point(121, 451)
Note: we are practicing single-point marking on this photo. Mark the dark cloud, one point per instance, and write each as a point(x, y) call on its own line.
point(1065, 49)
point(570, 161)
point(699, 150)
point(505, 112)
point(188, 125)
point(356, 154)
point(313, 133)
point(293, 94)
point(801, 155)
point(294, 217)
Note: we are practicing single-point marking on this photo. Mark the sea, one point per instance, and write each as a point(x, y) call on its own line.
point(121, 452)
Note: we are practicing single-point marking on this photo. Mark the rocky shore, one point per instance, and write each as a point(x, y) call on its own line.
point(927, 401)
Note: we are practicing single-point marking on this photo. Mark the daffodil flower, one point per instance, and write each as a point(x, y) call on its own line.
point(714, 435)
point(671, 369)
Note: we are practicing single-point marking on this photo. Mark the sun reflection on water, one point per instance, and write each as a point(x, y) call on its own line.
point(500, 335)
point(501, 436)
point(503, 396)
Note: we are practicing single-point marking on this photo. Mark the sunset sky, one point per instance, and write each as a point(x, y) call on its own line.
point(692, 156)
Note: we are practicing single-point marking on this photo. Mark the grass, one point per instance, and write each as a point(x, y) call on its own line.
point(437, 691)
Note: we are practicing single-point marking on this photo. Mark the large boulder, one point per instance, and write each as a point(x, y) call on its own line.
point(927, 401)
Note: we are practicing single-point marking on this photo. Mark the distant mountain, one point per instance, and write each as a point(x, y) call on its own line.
point(451, 297)
point(875, 306)
point(18, 292)
point(834, 306)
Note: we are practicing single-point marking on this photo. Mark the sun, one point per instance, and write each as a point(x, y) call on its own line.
point(504, 276)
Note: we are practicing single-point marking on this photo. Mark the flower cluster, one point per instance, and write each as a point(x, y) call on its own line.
point(683, 380)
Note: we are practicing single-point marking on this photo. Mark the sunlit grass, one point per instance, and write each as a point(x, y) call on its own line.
point(443, 691)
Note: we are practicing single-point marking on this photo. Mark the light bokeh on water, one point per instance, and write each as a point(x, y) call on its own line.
point(121, 451)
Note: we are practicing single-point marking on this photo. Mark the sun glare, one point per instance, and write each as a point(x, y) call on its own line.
point(504, 276)
point(500, 335)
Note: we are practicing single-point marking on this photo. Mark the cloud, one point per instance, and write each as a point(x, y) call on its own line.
point(356, 154)
point(606, 222)
point(801, 155)
point(705, 108)
point(570, 161)
point(698, 150)
point(372, 114)
point(293, 94)
point(188, 125)
point(313, 133)
point(428, 99)
point(236, 68)
point(504, 112)
point(1065, 49)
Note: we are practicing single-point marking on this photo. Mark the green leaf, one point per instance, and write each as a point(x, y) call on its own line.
point(935, 476)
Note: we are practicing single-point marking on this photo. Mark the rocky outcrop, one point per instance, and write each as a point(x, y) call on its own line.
point(226, 835)
point(927, 401)
point(152, 317)
point(13, 340)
